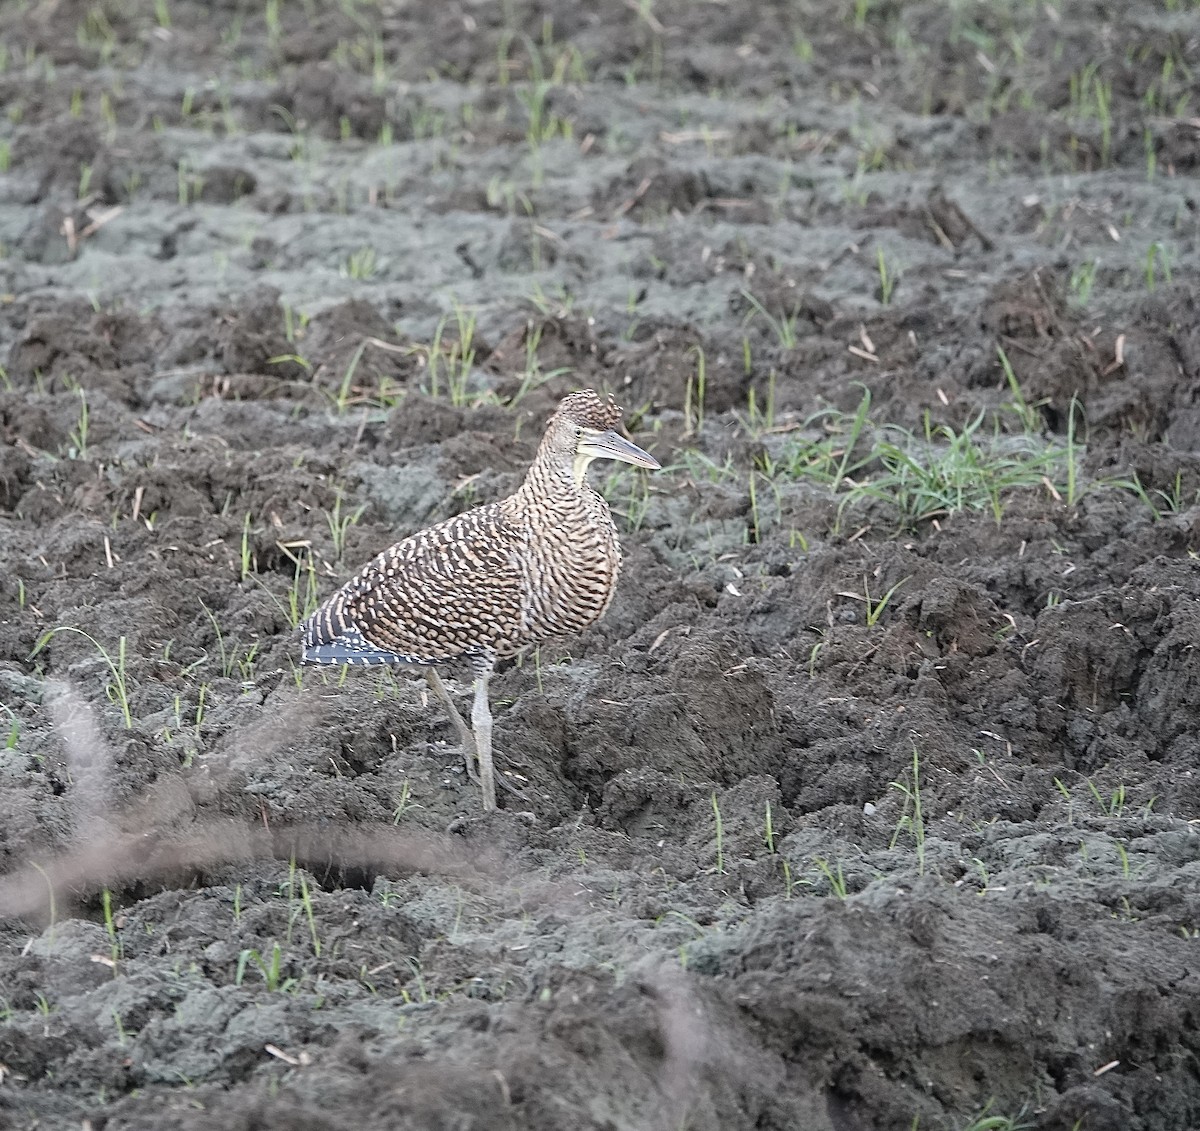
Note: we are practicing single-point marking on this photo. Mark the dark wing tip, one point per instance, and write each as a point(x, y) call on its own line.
point(352, 652)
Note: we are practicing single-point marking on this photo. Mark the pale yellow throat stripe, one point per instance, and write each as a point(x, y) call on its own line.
point(580, 467)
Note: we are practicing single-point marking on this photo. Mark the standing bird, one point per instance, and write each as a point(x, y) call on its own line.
point(486, 583)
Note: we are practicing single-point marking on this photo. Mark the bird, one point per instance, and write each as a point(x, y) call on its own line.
point(489, 582)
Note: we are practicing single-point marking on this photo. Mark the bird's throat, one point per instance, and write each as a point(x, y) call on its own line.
point(579, 469)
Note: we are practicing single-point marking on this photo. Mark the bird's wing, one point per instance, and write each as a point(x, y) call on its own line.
point(452, 590)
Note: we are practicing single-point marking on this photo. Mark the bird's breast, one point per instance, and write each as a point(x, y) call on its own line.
point(572, 564)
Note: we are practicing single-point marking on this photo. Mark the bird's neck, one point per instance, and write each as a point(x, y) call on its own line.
point(559, 481)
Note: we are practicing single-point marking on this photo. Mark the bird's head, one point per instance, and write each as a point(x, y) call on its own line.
point(583, 428)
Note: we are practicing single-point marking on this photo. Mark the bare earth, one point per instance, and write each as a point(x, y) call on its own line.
point(872, 803)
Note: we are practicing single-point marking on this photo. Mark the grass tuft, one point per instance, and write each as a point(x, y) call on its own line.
point(118, 690)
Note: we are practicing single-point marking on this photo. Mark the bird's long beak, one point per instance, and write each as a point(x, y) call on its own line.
point(608, 445)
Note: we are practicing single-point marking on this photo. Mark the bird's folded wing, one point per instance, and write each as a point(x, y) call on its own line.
point(452, 590)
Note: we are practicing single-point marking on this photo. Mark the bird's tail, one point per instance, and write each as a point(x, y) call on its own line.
point(351, 652)
point(338, 653)
point(328, 639)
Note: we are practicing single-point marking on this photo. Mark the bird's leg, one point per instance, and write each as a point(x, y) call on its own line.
point(481, 720)
point(464, 732)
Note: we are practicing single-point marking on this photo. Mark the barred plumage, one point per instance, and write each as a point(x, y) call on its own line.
point(482, 585)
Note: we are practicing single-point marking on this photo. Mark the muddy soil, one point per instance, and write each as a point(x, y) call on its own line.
point(863, 808)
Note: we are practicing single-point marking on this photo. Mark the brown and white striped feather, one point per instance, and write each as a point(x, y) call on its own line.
point(570, 567)
point(451, 590)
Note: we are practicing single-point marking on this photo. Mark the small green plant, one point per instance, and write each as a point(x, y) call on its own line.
point(948, 471)
point(118, 690)
point(1159, 502)
point(110, 928)
point(403, 803)
point(51, 901)
point(452, 361)
point(813, 654)
point(1066, 793)
point(270, 968)
point(984, 1121)
point(294, 324)
point(630, 505)
point(542, 122)
point(246, 556)
point(109, 116)
point(1083, 278)
point(1123, 856)
point(1111, 806)
point(857, 424)
point(422, 995)
point(1091, 100)
point(1158, 260)
point(789, 885)
point(887, 278)
point(693, 399)
point(309, 915)
point(784, 326)
point(340, 521)
point(769, 841)
point(874, 606)
point(1028, 414)
point(226, 657)
point(831, 456)
point(188, 183)
point(343, 398)
point(79, 434)
point(699, 467)
point(246, 666)
point(912, 818)
point(716, 808)
point(292, 359)
point(833, 876)
point(1170, 93)
point(1073, 491)
point(360, 264)
point(755, 526)
point(984, 875)
point(854, 189)
point(532, 376)
point(289, 887)
point(302, 596)
point(760, 418)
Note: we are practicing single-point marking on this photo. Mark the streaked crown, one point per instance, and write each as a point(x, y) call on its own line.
point(586, 409)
